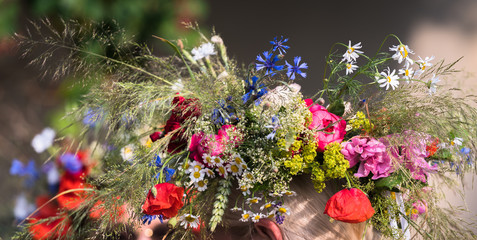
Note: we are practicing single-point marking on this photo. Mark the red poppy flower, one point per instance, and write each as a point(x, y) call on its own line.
point(73, 199)
point(167, 202)
point(49, 230)
point(351, 206)
point(98, 210)
point(432, 148)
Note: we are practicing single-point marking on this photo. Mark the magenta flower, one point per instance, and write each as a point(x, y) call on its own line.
point(418, 208)
point(213, 144)
point(371, 156)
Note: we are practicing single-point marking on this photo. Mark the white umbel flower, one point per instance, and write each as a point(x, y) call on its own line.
point(352, 53)
point(189, 221)
point(350, 67)
point(43, 140)
point(402, 53)
point(390, 79)
point(203, 51)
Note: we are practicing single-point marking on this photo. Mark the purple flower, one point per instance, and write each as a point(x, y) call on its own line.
point(278, 44)
point(371, 156)
point(268, 63)
point(71, 162)
point(296, 69)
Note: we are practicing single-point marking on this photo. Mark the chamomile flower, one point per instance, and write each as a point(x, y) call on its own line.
point(209, 172)
point(237, 159)
point(283, 210)
point(196, 176)
point(189, 221)
point(267, 205)
point(424, 63)
point(209, 160)
point(406, 73)
point(235, 209)
point(246, 216)
point(402, 53)
point(247, 175)
point(203, 51)
point(257, 216)
point(201, 185)
point(253, 200)
point(127, 152)
point(234, 169)
point(390, 79)
point(222, 170)
point(244, 189)
point(433, 84)
point(217, 161)
point(350, 67)
point(289, 193)
point(275, 194)
point(195, 167)
point(457, 141)
point(352, 53)
point(271, 215)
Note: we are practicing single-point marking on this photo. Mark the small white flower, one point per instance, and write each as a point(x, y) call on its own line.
point(289, 193)
point(283, 210)
point(196, 176)
point(257, 216)
point(203, 51)
point(43, 140)
point(177, 86)
point(201, 185)
point(246, 216)
point(234, 169)
point(433, 84)
point(22, 208)
point(127, 152)
point(253, 200)
point(275, 194)
point(271, 215)
point(235, 209)
point(390, 79)
point(237, 159)
point(244, 189)
point(216, 39)
point(217, 161)
point(406, 73)
point(209, 172)
point(195, 167)
point(402, 53)
point(457, 141)
point(247, 175)
point(352, 53)
point(350, 67)
point(267, 205)
point(423, 64)
point(189, 221)
point(222, 170)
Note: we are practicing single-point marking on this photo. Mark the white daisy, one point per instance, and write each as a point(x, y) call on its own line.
point(275, 194)
point(237, 159)
point(203, 51)
point(423, 64)
point(244, 189)
point(402, 53)
point(195, 167)
point(43, 140)
point(209, 172)
point(390, 79)
point(457, 141)
point(234, 169)
point(222, 170)
point(217, 161)
point(271, 215)
point(246, 174)
point(257, 216)
point(283, 210)
point(433, 84)
point(246, 216)
point(267, 205)
point(289, 193)
point(406, 73)
point(207, 159)
point(352, 53)
point(253, 200)
point(127, 152)
point(201, 185)
point(350, 67)
point(235, 209)
point(189, 221)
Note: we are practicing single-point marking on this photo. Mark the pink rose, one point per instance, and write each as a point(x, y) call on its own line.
point(212, 144)
point(334, 126)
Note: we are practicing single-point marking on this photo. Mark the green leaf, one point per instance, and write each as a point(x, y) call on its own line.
point(154, 191)
point(337, 107)
point(390, 182)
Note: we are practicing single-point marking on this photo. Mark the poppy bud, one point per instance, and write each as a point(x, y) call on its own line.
point(351, 206)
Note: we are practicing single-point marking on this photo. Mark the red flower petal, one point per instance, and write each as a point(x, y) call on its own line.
point(351, 206)
point(167, 202)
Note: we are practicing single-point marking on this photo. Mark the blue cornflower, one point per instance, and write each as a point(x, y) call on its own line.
point(297, 69)
point(268, 63)
point(224, 113)
point(278, 44)
point(30, 171)
point(168, 172)
point(254, 91)
point(149, 218)
point(71, 162)
point(274, 126)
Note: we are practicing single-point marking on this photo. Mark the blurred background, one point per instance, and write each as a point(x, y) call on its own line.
point(446, 29)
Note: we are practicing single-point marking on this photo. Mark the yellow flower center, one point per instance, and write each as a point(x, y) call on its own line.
point(222, 170)
point(196, 174)
point(243, 188)
point(254, 200)
point(257, 217)
point(234, 168)
point(238, 160)
point(389, 78)
point(246, 216)
point(414, 211)
point(268, 205)
point(197, 168)
point(190, 219)
point(217, 160)
point(288, 193)
point(348, 66)
point(201, 183)
point(350, 50)
point(208, 159)
point(407, 72)
point(404, 52)
point(282, 210)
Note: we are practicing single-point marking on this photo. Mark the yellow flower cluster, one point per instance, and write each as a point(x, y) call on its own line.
point(335, 165)
point(295, 164)
point(302, 153)
point(361, 122)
